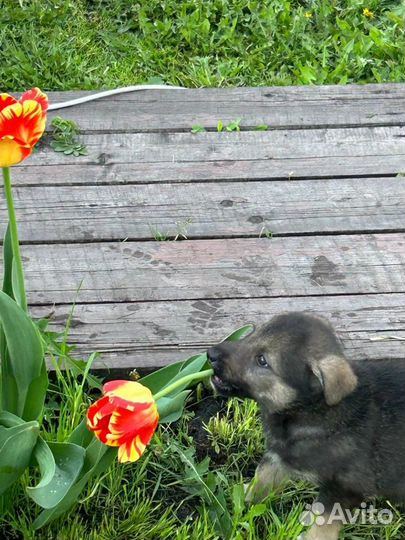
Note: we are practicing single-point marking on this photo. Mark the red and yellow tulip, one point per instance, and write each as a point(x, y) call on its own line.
point(128, 413)
point(22, 124)
point(126, 417)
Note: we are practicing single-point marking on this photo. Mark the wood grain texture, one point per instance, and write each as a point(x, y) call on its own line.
point(232, 268)
point(186, 157)
point(151, 334)
point(228, 209)
point(110, 148)
point(278, 107)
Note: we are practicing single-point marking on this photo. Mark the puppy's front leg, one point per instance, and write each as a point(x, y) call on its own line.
point(326, 531)
point(334, 501)
point(269, 476)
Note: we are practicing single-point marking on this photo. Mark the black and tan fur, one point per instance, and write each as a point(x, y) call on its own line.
point(337, 422)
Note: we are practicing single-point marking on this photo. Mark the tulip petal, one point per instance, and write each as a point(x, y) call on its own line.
point(100, 409)
point(6, 100)
point(22, 121)
point(11, 152)
point(133, 431)
point(131, 451)
point(93, 410)
point(36, 95)
point(125, 423)
point(102, 432)
point(127, 392)
point(145, 434)
point(98, 420)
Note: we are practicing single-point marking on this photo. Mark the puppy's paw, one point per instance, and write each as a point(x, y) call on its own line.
point(309, 535)
point(249, 495)
point(321, 533)
point(305, 535)
point(255, 493)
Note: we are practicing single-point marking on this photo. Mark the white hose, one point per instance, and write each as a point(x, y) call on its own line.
point(106, 93)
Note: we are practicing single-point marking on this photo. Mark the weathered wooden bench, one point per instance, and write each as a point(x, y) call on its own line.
point(308, 215)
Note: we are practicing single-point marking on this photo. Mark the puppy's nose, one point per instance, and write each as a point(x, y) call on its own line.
point(214, 355)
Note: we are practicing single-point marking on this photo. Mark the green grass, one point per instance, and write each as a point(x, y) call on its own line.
point(79, 44)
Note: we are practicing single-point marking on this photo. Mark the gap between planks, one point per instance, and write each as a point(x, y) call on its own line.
point(23, 180)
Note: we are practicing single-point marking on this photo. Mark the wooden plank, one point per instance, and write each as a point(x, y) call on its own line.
point(150, 148)
point(278, 107)
point(230, 209)
point(184, 157)
point(232, 268)
point(151, 334)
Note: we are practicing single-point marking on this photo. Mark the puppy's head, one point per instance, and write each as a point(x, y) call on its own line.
point(294, 359)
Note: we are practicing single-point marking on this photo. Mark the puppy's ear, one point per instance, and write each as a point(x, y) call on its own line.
point(336, 376)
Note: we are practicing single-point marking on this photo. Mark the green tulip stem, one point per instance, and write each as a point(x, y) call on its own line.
point(14, 238)
point(184, 380)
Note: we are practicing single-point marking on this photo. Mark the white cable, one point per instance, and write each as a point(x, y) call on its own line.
point(106, 93)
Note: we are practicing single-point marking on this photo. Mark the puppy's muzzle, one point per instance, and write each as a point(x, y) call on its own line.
point(215, 358)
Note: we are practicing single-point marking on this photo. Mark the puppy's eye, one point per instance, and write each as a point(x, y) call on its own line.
point(262, 362)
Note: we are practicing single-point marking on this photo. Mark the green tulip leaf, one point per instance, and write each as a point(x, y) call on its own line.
point(195, 365)
point(161, 378)
point(9, 386)
point(10, 279)
point(36, 395)
point(9, 389)
point(240, 333)
point(60, 465)
point(16, 446)
point(24, 377)
point(8, 264)
point(97, 459)
point(171, 408)
point(81, 435)
point(8, 419)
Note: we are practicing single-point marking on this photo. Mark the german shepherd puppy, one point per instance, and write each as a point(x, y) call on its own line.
point(337, 422)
